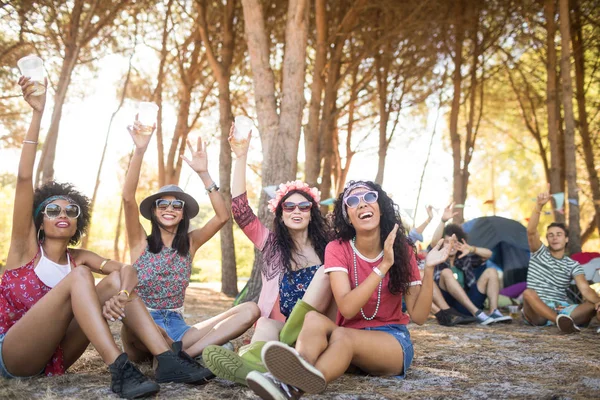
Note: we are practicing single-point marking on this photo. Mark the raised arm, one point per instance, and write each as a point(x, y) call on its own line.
point(240, 149)
point(23, 236)
point(199, 163)
point(135, 231)
point(422, 227)
point(533, 236)
point(466, 249)
point(447, 215)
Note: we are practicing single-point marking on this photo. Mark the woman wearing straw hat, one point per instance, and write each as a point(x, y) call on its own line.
point(164, 257)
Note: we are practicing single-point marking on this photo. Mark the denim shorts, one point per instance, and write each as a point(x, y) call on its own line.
point(4, 372)
point(172, 322)
point(401, 334)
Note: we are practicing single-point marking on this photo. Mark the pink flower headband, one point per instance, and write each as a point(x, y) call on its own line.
point(287, 187)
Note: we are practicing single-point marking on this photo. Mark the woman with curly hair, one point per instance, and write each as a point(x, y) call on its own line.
point(50, 308)
point(371, 266)
point(164, 258)
point(293, 281)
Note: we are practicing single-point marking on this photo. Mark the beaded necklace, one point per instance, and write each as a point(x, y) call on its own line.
point(356, 284)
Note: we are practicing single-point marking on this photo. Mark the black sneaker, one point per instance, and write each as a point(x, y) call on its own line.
point(128, 382)
point(464, 319)
point(268, 388)
point(177, 366)
point(445, 318)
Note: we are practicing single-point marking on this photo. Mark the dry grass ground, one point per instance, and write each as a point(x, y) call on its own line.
point(468, 362)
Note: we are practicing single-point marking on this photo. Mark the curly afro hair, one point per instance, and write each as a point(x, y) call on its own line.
point(53, 188)
point(404, 249)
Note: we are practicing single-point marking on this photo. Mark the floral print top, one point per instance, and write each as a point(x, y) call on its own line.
point(293, 286)
point(20, 290)
point(163, 278)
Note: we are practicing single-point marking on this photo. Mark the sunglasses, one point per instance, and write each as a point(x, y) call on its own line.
point(163, 204)
point(52, 211)
point(290, 206)
point(369, 197)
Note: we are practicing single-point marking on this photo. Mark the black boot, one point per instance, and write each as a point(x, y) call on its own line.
point(177, 366)
point(128, 382)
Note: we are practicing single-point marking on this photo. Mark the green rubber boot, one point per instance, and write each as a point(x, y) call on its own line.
point(293, 325)
point(228, 365)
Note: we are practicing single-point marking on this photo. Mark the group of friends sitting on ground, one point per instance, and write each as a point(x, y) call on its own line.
point(332, 293)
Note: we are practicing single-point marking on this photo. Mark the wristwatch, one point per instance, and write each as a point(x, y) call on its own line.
point(212, 188)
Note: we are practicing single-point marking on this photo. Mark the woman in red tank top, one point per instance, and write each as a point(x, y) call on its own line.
point(50, 308)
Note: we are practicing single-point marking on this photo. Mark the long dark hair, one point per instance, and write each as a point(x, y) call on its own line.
point(404, 249)
point(53, 188)
point(181, 241)
point(318, 233)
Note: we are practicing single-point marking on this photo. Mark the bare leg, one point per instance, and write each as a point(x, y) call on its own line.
point(451, 285)
point(220, 328)
point(30, 343)
point(583, 313)
point(535, 309)
point(489, 283)
point(266, 330)
point(318, 294)
point(438, 302)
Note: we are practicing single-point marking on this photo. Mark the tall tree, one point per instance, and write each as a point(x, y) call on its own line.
point(567, 101)
point(279, 117)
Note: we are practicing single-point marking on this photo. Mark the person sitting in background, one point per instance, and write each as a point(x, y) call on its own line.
point(457, 277)
point(550, 273)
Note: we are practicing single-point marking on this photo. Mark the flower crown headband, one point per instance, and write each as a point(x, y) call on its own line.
point(287, 187)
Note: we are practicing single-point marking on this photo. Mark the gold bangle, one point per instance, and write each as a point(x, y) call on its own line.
point(124, 291)
point(103, 264)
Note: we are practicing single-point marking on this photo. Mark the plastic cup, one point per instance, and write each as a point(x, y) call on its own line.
point(243, 125)
point(33, 68)
point(514, 311)
point(147, 113)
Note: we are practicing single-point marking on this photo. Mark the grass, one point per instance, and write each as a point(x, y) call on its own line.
point(511, 361)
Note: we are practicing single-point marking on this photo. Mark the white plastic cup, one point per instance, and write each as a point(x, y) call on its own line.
point(243, 125)
point(513, 311)
point(33, 68)
point(147, 113)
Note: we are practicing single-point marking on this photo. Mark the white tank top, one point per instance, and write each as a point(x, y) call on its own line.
point(50, 272)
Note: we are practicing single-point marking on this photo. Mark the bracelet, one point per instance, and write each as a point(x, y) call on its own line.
point(103, 264)
point(123, 291)
point(378, 272)
point(473, 249)
point(212, 188)
point(30, 142)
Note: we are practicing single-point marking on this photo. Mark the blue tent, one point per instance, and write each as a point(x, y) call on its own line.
point(508, 241)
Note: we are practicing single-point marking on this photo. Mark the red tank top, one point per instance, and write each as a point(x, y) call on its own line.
point(20, 289)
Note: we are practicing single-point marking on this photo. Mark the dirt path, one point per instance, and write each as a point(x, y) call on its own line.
point(468, 362)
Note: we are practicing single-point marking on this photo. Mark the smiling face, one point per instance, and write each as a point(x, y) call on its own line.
point(296, 219)
point(557, 240)
point(365, 216)
point(61, 227)
point(168, 217)
point(449, 240)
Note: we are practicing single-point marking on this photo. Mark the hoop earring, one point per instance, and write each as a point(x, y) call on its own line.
point(40, 240)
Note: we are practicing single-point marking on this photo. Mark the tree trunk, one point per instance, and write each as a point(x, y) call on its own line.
point(180, 134)
point(459, 34)
point(280, 134)
point(45, 170)
point(570, 158)
point(312, 161)
point(586, 141)
point(552, 104)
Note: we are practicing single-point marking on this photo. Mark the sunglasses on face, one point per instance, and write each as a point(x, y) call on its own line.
point(353, 201)
point(163, 204)
point(290, 206)
point(53, 211)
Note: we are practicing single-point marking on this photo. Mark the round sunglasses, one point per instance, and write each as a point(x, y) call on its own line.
point(163, 204)
point(53, 211)
point(369, 197)
point(290, 206)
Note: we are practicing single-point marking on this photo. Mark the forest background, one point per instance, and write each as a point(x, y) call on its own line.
point(482, 102)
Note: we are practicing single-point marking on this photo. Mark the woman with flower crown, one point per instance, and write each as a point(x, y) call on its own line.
point(293, 281)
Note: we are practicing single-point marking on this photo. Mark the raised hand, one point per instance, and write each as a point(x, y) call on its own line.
point(388, 251)
point(543, 198)
point(239, 147)
point(438, 254)
point(429, 211)
point(463, 247)
point(27, 87)
point(199, 161)
point(448, 213)
point(139, 134)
